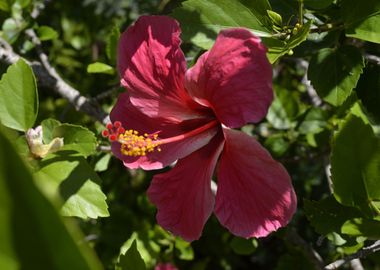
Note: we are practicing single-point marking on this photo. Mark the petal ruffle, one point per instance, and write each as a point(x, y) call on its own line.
point(234, 78)
point(183, 195)
point(132, 118)
point(152, 67)
point(255, 195)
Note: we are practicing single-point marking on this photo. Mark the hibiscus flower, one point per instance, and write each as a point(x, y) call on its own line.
point(169, 113)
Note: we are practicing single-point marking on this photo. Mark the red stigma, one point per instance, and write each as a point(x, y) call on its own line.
point(117, 124)
point(112, 137)
point(120, 130)
point(113, 130)
point(105, 133)
point(109, 126)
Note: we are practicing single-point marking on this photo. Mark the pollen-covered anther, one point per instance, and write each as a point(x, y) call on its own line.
point(134, 144)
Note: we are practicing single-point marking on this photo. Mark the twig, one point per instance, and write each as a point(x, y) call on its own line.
point(314, 98)
point(328, 174)
point(374, 59)
point(48, 77)
point(327, 27)
point(364, 252)
point(108, 93)
point(313, 255)
point(38, 7)
point(104, 148)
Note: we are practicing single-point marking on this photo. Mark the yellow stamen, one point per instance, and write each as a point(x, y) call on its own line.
point(133, 144)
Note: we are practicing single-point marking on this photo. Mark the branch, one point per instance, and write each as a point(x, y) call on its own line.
point(294, 238)
point(48, 77)
point(356, 264)
point(364, 252)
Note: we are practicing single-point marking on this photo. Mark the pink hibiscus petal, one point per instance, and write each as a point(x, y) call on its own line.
point(255, 196)
point(132, 118)
point(152, 67)
point(183, 195)
point(234, 78)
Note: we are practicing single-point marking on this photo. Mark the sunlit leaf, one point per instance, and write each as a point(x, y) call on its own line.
point(32, 234)
point(100, 68)
point(18, 97)
point(131, 260)
point(46, 33)
point(72, 179)
point(362, 19)
point(362, 227)
point(75, 138)
point(102, 164)
point(184, 249)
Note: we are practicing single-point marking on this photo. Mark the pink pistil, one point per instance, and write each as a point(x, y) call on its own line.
point(188, 134)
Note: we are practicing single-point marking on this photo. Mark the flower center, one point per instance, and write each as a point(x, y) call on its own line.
point(134, 144)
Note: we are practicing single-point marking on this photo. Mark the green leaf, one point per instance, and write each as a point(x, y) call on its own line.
point(100, 68)
point(355, 165)
point(275, 17)
point(334, 73)
point(314, 121)
point(243, 246)
point(146, 247)
point(327, 215)
point(76, 138)
point(18, 97)
point(367, 29)
point(278, 48)
point(184, 248)
point(102, 164)
point(354, 11)
point(111, 47)
point(368, 91)
point(362, 19)
point(318, 4)
point(23, 3)
point(277, 145)
point(73, 180)
point(48, 126)
point(32, 234)
point(283, 109)
point(46, 33)
point(11, 30)
point(362, 227)
point(5, 5)
point(202, 20)
point(131, 260)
